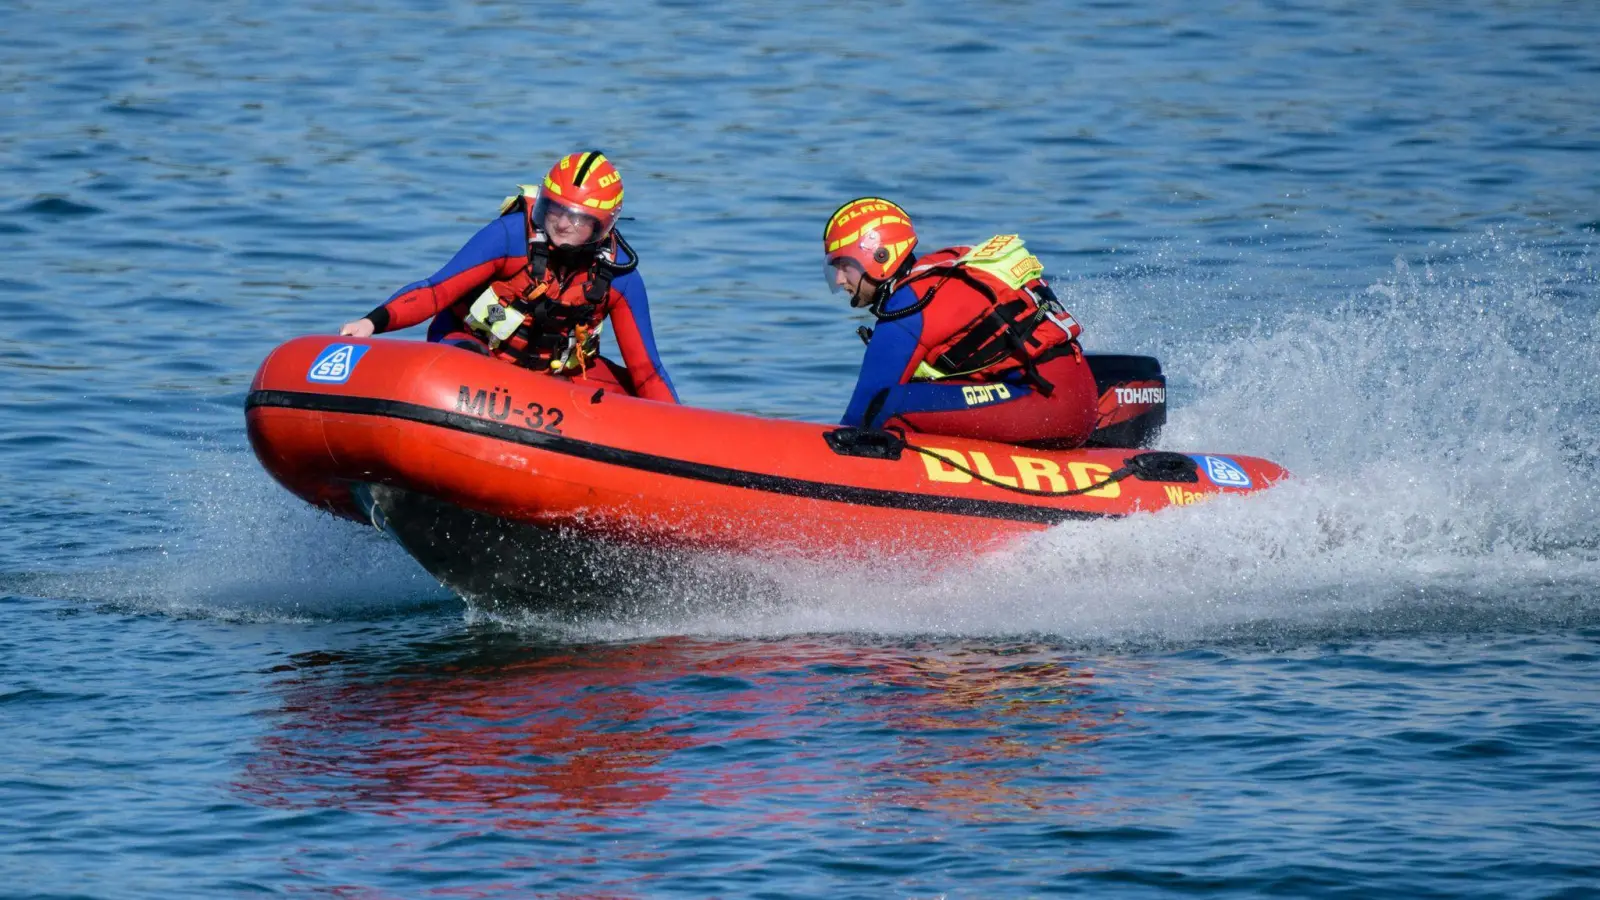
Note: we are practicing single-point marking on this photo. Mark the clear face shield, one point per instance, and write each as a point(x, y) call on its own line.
point(566, 227)
point(845, 275)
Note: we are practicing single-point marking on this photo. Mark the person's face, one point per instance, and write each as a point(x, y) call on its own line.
point(848, 277)
point(567, 228)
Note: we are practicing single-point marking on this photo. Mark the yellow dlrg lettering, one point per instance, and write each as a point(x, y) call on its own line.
point(938, 471)
point(980, 461)
point(1032, 471)
point(1085, 474)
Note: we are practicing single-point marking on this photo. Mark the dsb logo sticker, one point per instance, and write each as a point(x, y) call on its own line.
point(334, 365)
point(1223, 471)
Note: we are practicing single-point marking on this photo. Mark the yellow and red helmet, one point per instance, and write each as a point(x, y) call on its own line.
point(869, 232)
point(585, 185)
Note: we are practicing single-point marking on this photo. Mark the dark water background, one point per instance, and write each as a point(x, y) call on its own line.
point(1361, 237)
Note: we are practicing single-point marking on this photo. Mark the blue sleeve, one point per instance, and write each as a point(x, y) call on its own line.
point(888, 355)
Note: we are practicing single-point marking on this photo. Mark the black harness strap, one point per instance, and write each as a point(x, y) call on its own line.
point(983, 344)
point(551, 322)
point(1003, 331)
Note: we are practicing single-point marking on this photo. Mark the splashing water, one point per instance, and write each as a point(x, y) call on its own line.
point(243, 549)
point(1441, 430)
point(248, 545)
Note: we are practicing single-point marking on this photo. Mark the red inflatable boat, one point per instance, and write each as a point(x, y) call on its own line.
point(501, 480)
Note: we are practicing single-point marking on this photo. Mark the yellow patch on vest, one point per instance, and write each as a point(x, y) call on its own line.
point(1004, 257)
point(511, 202)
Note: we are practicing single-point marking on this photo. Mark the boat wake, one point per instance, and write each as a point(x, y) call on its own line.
point(1440, 426)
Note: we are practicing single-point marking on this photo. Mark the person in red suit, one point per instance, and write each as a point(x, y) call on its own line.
point(970, 340)
point(536, 286)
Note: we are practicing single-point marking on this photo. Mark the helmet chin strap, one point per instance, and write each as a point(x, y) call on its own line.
point(568, 256)
point(857, 301)
point(880, 296)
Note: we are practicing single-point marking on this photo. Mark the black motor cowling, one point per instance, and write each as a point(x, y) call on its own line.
point(1133, 399)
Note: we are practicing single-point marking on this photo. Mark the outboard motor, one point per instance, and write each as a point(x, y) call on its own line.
point(1133, 399)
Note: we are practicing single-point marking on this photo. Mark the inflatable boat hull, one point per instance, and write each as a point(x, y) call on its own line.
point(431, 437)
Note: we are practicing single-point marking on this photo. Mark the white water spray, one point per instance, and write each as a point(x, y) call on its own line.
point(1441, 429)
point(245, 549)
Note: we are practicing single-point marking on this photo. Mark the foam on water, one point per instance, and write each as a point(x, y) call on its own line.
point(242, 548)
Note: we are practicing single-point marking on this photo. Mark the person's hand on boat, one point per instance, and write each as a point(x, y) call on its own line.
point(359, 328)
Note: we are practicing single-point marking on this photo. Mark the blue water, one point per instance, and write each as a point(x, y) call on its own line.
point(1362, 239)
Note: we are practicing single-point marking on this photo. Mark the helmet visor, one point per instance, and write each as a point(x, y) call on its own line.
point(567, 226)
point(843, 274)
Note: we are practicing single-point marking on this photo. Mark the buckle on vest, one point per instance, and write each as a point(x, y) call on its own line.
point(490, 316)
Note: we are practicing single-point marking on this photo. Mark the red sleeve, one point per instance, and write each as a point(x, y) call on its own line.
point(423, 301)
point(495, 252)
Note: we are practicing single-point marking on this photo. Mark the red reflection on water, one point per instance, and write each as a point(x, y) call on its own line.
point(1028, 712)
point(579, 740)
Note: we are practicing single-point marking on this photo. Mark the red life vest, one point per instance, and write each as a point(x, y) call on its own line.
point(542, 318)
point(994, 313)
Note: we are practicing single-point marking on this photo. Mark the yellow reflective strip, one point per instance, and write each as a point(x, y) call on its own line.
point(552, 187)
point(856, 234)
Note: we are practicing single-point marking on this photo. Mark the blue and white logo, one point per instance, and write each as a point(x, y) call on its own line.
point(334, 365)
point(1223, 471)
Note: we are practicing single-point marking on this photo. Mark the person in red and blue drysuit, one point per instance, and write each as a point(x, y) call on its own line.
point(536, 286)
point(970, 341)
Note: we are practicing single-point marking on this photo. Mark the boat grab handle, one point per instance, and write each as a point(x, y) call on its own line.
point(865, 442)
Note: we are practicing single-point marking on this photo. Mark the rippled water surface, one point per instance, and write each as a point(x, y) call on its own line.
point(1361, 239)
